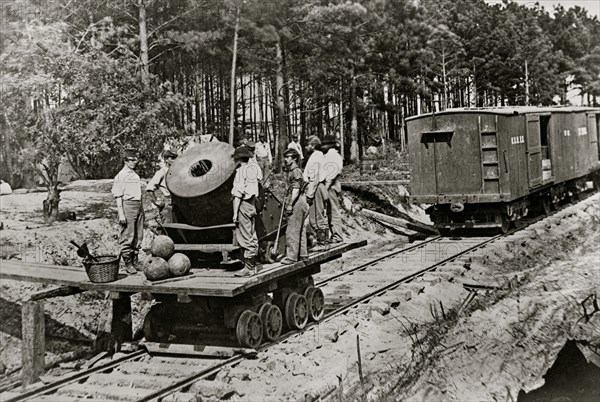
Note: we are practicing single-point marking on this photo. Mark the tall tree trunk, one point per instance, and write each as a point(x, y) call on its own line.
point(233, 62)
point(143, 43)
point(280, 90)
point(341, 112)
point(354, 120)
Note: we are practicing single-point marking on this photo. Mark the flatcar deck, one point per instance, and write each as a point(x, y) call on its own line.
point(200, 282)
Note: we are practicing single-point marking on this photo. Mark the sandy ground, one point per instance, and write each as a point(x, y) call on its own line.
point(501, 343)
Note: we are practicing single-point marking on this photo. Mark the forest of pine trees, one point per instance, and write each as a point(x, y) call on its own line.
point(81, 80)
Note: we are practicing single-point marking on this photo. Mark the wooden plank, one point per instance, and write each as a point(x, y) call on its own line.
point(183, 226)
point(207, 248)
point(195, 350)
point(417, 226)
point(211, 285)
point(33, 334)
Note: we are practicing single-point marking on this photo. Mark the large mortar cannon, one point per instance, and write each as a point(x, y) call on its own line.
point(200, 181)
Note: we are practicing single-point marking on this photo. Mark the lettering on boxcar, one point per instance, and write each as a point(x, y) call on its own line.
point(519, 139)
point(582, 131)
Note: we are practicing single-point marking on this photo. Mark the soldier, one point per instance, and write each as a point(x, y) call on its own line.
point(244, 191)
point(127, 190)
point(333, 168)
point(316, 194)
point(296, 209)
point(159, 182)
point(254, 170)
point(296, 145)
point(264, 159)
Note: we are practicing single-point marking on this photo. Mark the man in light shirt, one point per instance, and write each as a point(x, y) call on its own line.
point(316, 193)
point(296, 145)
point(332, 169)
point(159, 182)
point(245, 191)
point(264, 159)
point(254, 170)
point(127, 190)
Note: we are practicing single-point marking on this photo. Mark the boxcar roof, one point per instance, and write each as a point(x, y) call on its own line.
point(511, 110)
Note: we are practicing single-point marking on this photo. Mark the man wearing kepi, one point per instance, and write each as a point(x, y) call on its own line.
point(333, 168)
point(244, 191)
point(127, 190)
point(264, 159)
point(296, 209)
point(159, 181)
point(316, 194)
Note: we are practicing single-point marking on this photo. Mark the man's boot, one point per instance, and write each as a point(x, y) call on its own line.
point(137, 265)
point(244, 271)
point(128, 264)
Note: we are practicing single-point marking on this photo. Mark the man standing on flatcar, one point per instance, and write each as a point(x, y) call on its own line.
point(316, 193)
point(159, 182)
point(332, 169)
point(127, 190)
point(296, 145)
point(244, 191)
point(296, 209)
point(264, 159)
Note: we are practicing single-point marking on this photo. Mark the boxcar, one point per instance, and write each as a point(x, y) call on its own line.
point(490, 167)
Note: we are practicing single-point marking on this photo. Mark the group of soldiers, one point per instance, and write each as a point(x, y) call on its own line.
point(311, 199)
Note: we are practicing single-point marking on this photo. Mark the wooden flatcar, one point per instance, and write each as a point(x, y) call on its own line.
point(490, 167)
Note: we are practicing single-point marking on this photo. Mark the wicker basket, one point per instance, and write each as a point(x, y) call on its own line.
point(106, 269)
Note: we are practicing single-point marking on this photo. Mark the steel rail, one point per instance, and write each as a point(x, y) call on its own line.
point(75, 377)
point(367, 264)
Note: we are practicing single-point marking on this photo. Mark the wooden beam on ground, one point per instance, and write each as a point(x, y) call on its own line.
point(416, 226)
point(55, 292)
point(195, 350)
point(376, 182)
point(33, 348)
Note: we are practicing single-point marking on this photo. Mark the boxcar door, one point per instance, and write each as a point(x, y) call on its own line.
point(594, 151)
point(534, 151)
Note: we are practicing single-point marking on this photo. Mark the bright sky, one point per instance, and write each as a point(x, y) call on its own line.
point(592, 6)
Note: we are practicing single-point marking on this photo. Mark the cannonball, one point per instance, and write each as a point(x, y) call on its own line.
point(156, 269)
point(163, 247)
point(179, 264)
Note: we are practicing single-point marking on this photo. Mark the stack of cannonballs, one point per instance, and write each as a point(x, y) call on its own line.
point(165, 262)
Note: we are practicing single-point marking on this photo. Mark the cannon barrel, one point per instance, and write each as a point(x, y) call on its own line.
point(200, 182)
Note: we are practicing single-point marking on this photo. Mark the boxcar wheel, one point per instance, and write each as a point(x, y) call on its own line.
point(272, 321)
point(249, 330)
point(296, 311)
point(316, 303)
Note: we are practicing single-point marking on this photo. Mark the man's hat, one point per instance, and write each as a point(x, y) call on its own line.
point(242, 152)
point(129, 153)
point(292, 152)
point(251, 145)
point(313, 140)
point(169, 154)
point(294, 135)
point(329, 140)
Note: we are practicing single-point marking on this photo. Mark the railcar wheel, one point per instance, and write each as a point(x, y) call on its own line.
point(316, 303)
point(272, 321)
point(157, 326)
point(547, 205)
point(249, 330)
point(296, 311)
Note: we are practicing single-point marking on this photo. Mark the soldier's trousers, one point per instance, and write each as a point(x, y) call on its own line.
point(295, 233)
point(317, 212)
point(334, 215)
point(245, 233)
point(132, 232)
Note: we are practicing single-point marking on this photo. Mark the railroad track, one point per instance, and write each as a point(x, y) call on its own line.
point(140, 376)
